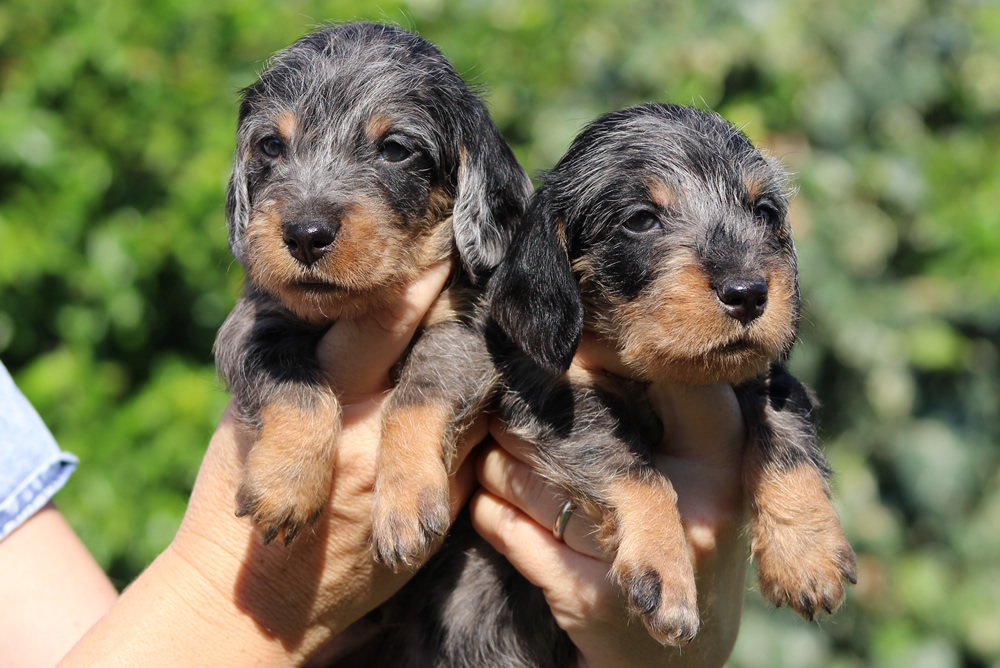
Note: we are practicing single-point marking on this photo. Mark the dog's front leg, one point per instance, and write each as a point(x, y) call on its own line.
point(290, 413)
point(803, 558)
point(652, 562)
point(593, 437)
point(446, 379)
point(289, 469)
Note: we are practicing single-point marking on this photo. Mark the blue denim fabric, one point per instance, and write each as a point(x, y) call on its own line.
point(32, 468)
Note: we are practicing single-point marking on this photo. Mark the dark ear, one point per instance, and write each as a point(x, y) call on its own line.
point(533, 295)
point(491, 194)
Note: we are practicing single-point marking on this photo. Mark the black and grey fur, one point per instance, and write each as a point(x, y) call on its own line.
point(665, 231)
point(362, 158)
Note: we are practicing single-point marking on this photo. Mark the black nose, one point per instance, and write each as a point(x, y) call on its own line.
point(744, 298)
point(308, 242)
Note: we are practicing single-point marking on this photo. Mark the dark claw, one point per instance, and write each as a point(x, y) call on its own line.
point(290, 534)
point(807, 607)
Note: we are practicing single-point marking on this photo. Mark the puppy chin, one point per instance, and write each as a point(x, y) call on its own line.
point(321, 303)
point(732, 364)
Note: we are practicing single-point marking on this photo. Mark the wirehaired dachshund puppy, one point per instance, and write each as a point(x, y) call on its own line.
point(665, 231)
point(361, 159)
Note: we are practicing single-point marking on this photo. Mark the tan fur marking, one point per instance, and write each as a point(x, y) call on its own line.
point(754, 186)
point(373, 255)
point(269, 264)
point(378, 125)
point(803, 558)
point(661, 194)
point(677, 329)
point(561, 232)
point(288, 471)
point(646, 536)
point(286, 123)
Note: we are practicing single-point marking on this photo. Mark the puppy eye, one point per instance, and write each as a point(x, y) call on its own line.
point(272, 146)
point(767, 214)
point(643, 221)
point(393, 151)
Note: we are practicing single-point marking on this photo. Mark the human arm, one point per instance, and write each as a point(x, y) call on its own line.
point(51, 588)
point(216, 595)
point(701, 454)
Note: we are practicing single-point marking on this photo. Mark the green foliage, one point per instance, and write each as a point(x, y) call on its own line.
point(116, 124)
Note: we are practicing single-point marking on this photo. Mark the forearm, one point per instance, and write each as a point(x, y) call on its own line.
point(54, 588)
point(173, 615)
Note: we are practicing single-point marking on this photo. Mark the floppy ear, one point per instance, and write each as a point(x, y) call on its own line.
point(237, 206)
point(237, 195)
point(533, 296)
point(491, 194)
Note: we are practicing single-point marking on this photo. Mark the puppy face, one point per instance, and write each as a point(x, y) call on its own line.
point(667, 231)
point(361, 157)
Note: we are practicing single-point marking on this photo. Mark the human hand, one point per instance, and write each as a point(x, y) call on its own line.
point(219, 593)
point(701, 453)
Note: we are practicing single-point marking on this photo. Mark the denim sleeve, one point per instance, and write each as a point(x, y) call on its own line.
point(32, 468)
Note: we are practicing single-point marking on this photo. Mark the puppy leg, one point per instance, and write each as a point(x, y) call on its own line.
point(446, 379)
point(803, 558)
point(288, 472)
point(652, 563)
point(268, 360)
point(593, 439)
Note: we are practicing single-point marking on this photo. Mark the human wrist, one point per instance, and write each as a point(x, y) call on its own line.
point(221, 614)
point(174, 615)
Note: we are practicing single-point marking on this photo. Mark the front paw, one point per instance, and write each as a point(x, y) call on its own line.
point(406, 527)
point(279, 506)
point(651, 558)
point(805, 570)
point(662, 592)
point(286, 482)
point(803, 558)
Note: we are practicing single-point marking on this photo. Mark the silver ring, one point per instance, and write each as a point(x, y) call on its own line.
point(562, 520)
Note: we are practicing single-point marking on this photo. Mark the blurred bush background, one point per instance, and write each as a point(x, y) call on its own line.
point(116, 135)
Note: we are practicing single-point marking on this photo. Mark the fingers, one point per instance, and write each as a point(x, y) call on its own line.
point(564, 574)
point(357, 354)
point(508, 476)
point(702, 455)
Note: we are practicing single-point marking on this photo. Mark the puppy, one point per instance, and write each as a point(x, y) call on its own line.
point(666, 232)
point(362, 158)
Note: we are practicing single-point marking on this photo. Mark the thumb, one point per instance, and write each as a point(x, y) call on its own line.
point(702, 423)
point(357, 354)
